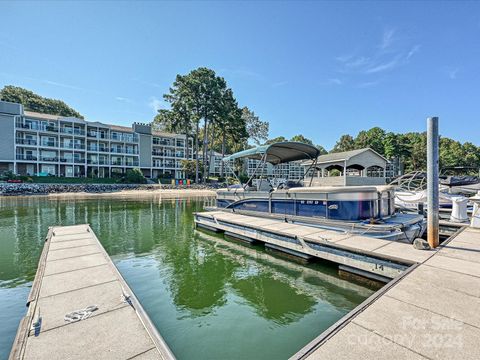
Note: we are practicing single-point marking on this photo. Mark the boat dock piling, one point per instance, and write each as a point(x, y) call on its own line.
point(432, 182)
point(76, 279)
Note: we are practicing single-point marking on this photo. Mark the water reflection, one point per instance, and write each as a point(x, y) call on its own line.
point(200, 290)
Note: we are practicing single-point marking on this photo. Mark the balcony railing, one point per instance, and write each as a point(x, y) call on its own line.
point(49, 128)
point(131, 163)
point(26, 141)
point(92, 134)
point(72, 131)
point(79, 146)
point(27, 157)
point(116, 162)
point(97, 162)
point(48, 143)
point(20, 125)
point(79, 160)
point(49, 158)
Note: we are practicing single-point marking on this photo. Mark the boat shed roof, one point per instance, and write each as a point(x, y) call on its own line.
point(278, 153)
point(342, 156)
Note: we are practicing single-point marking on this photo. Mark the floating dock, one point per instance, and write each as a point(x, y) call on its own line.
point(74, 273)
point(430, 312)
point(374, 258)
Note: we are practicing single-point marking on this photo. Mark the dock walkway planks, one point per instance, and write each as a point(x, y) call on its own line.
point(343, 244)
point(430, 313)
point(75, 272)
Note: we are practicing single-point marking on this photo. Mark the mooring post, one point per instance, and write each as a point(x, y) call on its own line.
point(432, 182)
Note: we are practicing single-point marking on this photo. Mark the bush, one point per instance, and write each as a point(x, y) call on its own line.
point(8, 175)
point(243, 178)
point(27, 179)
point(135, 176)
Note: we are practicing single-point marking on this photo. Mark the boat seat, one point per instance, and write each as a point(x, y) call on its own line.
point(264, 185)
point(290, 185)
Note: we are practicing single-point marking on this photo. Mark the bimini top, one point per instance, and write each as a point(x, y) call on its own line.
point(278, 153)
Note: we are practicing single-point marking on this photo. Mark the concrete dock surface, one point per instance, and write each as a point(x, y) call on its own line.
point(432, 312)
point(75, 272)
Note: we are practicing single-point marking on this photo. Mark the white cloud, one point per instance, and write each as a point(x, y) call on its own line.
point(383, 66)
point(388, 55)
point(123, 99)
point(334, 81)
point(413, 51)
point(156, 104)
point(452, 73)
point(387, 38)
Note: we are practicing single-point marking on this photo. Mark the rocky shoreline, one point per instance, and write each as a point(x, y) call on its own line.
point(11, 189)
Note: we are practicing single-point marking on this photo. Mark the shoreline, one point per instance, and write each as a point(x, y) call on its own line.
point(137, 193)
point(163, 193)
point(101, 190)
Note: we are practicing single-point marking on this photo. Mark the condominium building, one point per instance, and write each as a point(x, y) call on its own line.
point(215, 164)
point(291, 171)
point(41, 144)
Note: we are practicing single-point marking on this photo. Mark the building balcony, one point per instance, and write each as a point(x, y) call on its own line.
point(79, 160)
point(31, 142)
point(49, 158)
point(79, 146)
point(97, 162)
point(130, 151)
point(72, 131)
point(26, 157)
point(116, 162)
point(20, 125)
point(53, 129)
point(131, 163)
point(48, 143)
point(117, 150)
point(92, 134)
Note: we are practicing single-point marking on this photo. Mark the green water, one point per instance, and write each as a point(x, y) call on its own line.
point(210, 298)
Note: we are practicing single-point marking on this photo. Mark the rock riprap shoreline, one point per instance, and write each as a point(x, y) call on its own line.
point(12, 189)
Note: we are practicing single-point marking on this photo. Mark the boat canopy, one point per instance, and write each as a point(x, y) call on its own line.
point(278, 153)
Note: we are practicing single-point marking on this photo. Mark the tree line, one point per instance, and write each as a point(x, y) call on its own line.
point(410, 149)
point(37, 103)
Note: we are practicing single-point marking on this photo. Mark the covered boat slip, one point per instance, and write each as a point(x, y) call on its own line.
point(75, 273)
point(375, 258)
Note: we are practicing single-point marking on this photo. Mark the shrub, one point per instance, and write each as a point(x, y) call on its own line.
point(135, 176)
point(9, 175)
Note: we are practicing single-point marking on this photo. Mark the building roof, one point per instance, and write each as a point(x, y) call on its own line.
point(41, 115)
point(167, 134)
point(344, 155)
point(120, 128)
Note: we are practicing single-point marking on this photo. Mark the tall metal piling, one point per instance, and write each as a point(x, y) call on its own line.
point(432, 182)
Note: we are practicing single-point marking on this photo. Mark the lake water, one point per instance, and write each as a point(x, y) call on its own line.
point(210, 298)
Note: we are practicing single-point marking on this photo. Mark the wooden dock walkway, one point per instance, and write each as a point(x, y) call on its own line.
point(75, 272)
point(432, 312)
point(372, 257)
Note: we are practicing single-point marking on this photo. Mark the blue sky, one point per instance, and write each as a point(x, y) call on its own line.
point(321, 69)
